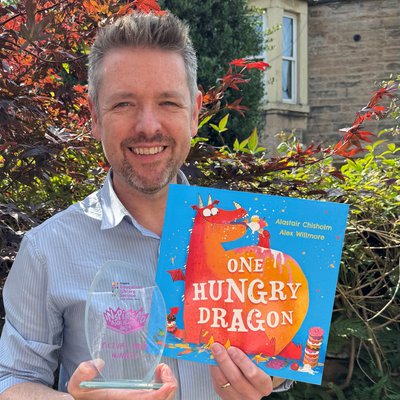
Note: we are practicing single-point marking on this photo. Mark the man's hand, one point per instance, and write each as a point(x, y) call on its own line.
point(236, 377)
point(88, 370)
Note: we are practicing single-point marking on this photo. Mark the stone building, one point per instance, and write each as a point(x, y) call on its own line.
point(328, 58)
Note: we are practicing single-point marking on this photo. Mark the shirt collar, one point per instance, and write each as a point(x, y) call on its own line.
point(113, 211)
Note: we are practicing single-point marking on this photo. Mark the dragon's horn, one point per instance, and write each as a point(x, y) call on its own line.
point(200, 202)
point(209, 200)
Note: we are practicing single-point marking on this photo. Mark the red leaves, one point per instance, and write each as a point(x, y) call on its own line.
point(148, 6)
point(301, 156)
point(247, 64)
point(80, 88)
point(212, 95)
point(337, 174)
point(353, 138)
point(351, 144)
point(354, 134)
point(237, 107)
point(231, 80)
point(96, 10)
point(43, 50)
point(344, 148)
point(387, 91)
point(104, 165)
point(37, 35)
point(144, 6)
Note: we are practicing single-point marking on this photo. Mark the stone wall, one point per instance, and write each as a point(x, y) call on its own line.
point(353, 45)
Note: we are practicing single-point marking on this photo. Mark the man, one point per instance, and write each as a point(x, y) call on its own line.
point(144, 104)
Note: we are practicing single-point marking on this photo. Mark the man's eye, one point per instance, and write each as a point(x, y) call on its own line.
point(170, 104)
point(122, 104)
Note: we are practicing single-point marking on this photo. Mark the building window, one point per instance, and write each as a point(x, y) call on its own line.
point(289, 52)
point(286, 101)
point(286, 22)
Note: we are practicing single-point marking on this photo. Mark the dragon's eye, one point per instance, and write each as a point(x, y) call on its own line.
point(214, 211)
point(207, 212)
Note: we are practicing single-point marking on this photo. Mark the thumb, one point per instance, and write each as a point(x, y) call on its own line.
point(158, 372)
point(165, 375)
point(86, 371)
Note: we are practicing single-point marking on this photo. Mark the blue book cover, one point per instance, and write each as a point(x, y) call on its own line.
point(254, 271)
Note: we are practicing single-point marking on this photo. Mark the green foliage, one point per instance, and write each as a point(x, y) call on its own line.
point(222, 31)
point(249, 145)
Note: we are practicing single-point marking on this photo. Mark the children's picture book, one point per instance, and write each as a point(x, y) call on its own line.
point(250, 270)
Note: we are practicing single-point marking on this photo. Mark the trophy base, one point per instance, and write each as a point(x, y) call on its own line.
point(120, 384)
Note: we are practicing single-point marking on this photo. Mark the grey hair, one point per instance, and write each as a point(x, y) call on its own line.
point(138, 30)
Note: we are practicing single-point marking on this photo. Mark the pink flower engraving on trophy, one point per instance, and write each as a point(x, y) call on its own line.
point(125, 321)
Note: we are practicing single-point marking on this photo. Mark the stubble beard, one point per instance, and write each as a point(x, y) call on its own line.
point(149, 182)
point(147, 185)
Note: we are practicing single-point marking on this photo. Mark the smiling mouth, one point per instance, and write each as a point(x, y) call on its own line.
point(147, 150)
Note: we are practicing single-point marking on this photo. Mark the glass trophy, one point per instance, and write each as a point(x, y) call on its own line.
point(125, 326)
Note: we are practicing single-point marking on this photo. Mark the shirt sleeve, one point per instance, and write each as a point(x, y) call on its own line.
point(32, 332)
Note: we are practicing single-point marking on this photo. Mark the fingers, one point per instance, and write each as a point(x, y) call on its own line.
point(158, 372)
point(247, 381)
point(219, 380)
point(218, 377)
point(166, 375)
point(86, 371)
point(170, 383)
point(89, 370)
point(252, 373)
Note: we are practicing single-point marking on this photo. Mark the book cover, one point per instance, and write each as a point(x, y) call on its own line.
point(254, 271)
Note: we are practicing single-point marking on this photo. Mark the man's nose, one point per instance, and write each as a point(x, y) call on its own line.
point(148, 120)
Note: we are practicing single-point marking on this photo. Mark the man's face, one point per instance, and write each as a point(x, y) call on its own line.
point(145, 118)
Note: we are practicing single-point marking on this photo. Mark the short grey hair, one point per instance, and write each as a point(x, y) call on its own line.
point(139, 30)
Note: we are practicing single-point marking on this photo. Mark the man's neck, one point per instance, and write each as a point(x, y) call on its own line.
point(147, 209)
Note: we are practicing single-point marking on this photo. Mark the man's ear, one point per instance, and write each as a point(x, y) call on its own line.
point(196, 111)
point(95, 120)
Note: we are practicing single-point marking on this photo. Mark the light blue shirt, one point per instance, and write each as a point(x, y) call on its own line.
point(45, 293)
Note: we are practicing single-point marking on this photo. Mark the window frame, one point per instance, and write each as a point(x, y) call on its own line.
point(292, 60)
